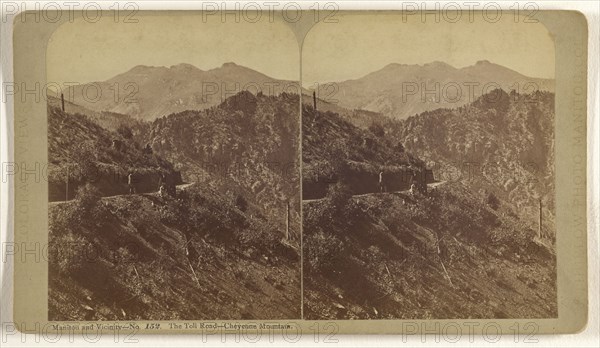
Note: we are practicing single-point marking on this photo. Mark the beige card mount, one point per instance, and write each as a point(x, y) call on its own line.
point(360, 172)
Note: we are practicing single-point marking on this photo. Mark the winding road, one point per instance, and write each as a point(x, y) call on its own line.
point(431, 185)
point(180, 187)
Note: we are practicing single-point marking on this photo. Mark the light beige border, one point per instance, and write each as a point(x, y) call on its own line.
point(569, 30)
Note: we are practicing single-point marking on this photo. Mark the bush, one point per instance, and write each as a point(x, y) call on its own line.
point(263, 236)
point(70, 254)
point(399, 148)
point(85, 157)
point(338, 212)
point(125, 132)
point(324, 252)
point(87, 196)
point(492, 201)
point(241, 203)
point(88, 210)
point(377, 129)
point(339, 195)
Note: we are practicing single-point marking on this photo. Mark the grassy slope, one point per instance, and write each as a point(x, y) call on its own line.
point(134, 261)
point(385, 263)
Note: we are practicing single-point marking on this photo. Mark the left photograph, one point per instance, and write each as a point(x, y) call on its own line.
point(173, 172)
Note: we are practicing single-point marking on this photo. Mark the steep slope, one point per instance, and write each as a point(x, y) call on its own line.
point(503, 143)
point(143, 257)
point(218, 249)
point(80, 151)
point(468, 248)
point(147, 92)
point(246, 147)
point(447, 255)
point(400, 90)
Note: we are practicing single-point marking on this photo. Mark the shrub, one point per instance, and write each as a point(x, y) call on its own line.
point(85, 157)
point(339, 209)
point(339, 195)
point(377, 129)
point(399, 148)
point(125, 132)
point(61, 220)
point(70, 254)
point(88, 210)
point(87, 196)
point(241, 203)
point(492, 201)
point(338, 212)
point(324, 252)
point(263, 236)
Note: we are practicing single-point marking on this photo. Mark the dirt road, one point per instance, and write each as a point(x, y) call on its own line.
point(431, 185)
point(179, 187)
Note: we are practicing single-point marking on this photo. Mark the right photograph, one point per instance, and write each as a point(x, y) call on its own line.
point(428, 187)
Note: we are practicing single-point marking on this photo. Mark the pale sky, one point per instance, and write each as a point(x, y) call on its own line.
point(85, 52)
point(356, 45)
point(361, 43)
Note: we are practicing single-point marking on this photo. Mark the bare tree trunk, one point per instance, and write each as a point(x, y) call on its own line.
point(540, 221)
point(287, 222)
point(194, 273)
point(67, 190)
point(446, 272)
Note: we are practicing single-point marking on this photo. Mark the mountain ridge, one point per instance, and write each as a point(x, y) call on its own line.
point(401, 90)
point(149, 92)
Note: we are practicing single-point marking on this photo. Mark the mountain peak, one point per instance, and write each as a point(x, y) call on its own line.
point(140, 68)
point(392, 65)
point(437, 63)
point(229, 65)
point(489, 67)
point(399, 65)
point(183, 66)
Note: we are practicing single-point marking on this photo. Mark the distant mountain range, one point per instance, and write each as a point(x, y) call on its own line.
point(401, 90)
point(148, 92)
point(397, 91)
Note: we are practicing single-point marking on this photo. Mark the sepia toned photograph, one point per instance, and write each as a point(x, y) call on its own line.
point(298, 174)
point(174, 190)
point(428, 185)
